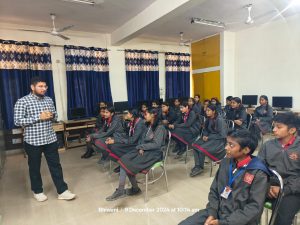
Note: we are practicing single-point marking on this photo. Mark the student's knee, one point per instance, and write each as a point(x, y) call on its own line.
point(197, 219)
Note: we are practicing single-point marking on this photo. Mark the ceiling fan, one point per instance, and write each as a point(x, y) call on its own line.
point(250, 19)
point(184, 42)
point(54, 31)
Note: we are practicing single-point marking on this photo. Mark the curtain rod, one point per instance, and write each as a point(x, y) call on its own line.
point(54, 45)
point(123, 50)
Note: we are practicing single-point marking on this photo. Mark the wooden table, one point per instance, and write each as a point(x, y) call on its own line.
point(77, 125)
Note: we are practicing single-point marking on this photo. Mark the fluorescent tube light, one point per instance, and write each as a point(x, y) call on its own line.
point(208, 22)
point(88, 2)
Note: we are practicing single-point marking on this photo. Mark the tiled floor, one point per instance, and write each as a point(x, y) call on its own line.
point(92, 183)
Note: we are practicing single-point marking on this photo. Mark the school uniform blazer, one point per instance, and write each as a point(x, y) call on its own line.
point(197, 108)
point(171, 116)
point(263, 114)
point(191, 123)
point(136, 138)
point(153, 140)
point(215, 131)
point(99, 122)
point(227, 109)
point(285, 161)
point(177, 111)
point(238, 114)
point(245, 204)
point(116, 130)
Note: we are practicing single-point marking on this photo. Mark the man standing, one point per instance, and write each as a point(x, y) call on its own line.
point(35, 113)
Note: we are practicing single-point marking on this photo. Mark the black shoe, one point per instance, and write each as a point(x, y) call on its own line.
point(179, 154)
point(133, 191)
point(194, 168)
point(116, 195)
point(84, 155)
point(195, 171)
point(89, 154)
point(117, 169)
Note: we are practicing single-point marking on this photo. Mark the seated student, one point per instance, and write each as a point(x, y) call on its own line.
point(238, 191)
point(203, 109)
point(238, 114)
point(99, 125)
point(113, 127)
point(143, 110)
point(262, 117)
point(194, 107)
point(197, 102)
point(168, 115)
point(283, 155)
point(142, 158)
point(120, 146)
point(215, 101)
point(227, 107)
point(186, 129)
point(212, 142)
point(156, 107)
point(102, 104)
point(176, 107)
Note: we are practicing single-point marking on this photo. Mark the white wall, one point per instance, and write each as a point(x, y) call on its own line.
point(227, 61)
point(267, 60)
point(116, 59)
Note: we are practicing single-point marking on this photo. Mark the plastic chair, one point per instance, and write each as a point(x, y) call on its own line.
point(269, 206)
point(160, 164)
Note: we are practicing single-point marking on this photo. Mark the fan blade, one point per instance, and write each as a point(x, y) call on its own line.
point(232, 23)
point(65, 28)
point(187, 41)
point(39, 31)
point(62, 36)
point(269, 13)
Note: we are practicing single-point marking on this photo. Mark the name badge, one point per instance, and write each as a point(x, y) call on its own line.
point(226, 192)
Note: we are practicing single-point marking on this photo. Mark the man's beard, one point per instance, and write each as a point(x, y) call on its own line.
point(39, 95)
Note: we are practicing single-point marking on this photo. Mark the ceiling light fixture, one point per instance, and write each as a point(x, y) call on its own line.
point(88, 2)
point(208, 22)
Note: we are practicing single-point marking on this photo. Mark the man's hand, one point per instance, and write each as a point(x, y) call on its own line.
point(205, 138)
point(141, 152)
point(238, 122)
point(165, 122)
point(273, 192)
point(109, 141)
point(171, 126)
point(46, 115)
point(208, 220)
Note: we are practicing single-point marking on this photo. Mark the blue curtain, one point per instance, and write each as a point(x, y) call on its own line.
point(87, 78)
point(19, 62)
point(177, 75)
point(141, 76)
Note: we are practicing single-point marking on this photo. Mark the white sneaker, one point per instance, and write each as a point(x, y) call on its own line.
point(40, 197)
point(66, 195)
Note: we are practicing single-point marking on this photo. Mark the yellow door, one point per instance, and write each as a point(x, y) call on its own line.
point(207, 85)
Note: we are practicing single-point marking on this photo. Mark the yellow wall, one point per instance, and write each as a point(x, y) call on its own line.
point(205, 54)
